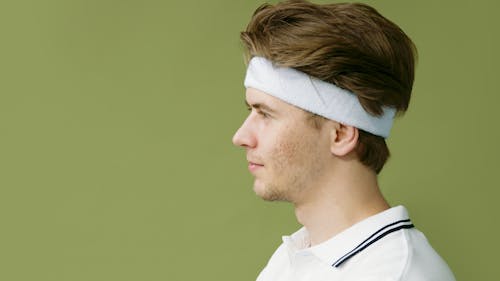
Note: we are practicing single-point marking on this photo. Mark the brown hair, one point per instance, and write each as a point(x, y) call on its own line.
point(349, 45)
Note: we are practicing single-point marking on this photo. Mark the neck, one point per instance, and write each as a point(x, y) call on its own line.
point(348, 196)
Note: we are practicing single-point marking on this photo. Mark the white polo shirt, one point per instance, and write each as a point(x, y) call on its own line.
point(383, 247)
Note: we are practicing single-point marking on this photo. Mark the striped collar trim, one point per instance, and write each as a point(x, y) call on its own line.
point(392, 227)
point(350, 242)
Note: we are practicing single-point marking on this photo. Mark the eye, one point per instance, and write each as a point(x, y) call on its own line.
point(259, 111)
point(263, 114)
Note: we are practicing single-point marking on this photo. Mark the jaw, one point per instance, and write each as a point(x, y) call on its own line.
point(267, 192)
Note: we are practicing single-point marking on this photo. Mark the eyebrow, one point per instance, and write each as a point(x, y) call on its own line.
point(261, 106)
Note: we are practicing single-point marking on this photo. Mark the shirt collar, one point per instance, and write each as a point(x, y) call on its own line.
point(338, 249)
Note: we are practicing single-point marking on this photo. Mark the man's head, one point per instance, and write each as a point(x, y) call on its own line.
point(349, 45)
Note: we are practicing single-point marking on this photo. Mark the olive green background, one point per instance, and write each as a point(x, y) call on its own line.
point(116, 160)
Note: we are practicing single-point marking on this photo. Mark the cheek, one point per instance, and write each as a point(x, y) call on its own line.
point(289, 152)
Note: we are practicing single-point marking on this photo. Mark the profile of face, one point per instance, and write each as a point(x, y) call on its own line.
point(285, 153)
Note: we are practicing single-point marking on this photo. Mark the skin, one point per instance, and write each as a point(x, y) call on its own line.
point(315, 169)
point(283, 145)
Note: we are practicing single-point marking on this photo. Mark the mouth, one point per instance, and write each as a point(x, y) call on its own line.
point(254, 166)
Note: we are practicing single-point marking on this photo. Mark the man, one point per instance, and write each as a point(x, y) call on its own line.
point(324, 83)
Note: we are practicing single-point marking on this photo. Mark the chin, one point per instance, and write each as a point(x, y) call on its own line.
point(260, 189)
point(268, 193)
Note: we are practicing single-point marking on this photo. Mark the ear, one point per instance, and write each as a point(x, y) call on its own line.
point(343, 139)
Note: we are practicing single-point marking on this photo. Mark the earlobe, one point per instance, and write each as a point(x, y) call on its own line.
point(343, 139)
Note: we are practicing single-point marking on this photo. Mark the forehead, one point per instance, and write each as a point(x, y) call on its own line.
point(257, 96)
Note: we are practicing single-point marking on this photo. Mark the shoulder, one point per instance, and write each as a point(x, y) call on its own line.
point(423, 262)
point(404, 255)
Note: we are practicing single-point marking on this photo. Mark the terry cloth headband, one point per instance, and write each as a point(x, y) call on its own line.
point(316, 96)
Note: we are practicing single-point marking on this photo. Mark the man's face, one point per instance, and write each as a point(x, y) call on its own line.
point(285, 153)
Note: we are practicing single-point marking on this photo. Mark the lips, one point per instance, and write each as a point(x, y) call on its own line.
point(252, 166)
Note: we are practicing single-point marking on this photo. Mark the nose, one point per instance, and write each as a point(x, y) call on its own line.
point(245, 136)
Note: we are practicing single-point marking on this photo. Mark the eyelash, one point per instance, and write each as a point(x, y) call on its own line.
point(261, 113)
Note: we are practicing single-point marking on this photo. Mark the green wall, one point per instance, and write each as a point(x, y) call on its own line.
point(116, 160)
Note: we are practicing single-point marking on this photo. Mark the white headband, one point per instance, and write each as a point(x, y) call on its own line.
point(316, 96)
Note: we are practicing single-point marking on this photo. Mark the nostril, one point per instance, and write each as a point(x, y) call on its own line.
point(245, 135)
point(242, 138)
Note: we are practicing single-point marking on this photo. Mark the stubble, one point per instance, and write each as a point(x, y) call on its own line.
point(293, 166)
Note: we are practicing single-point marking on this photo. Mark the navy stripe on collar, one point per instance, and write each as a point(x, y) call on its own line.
point(379, 234)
